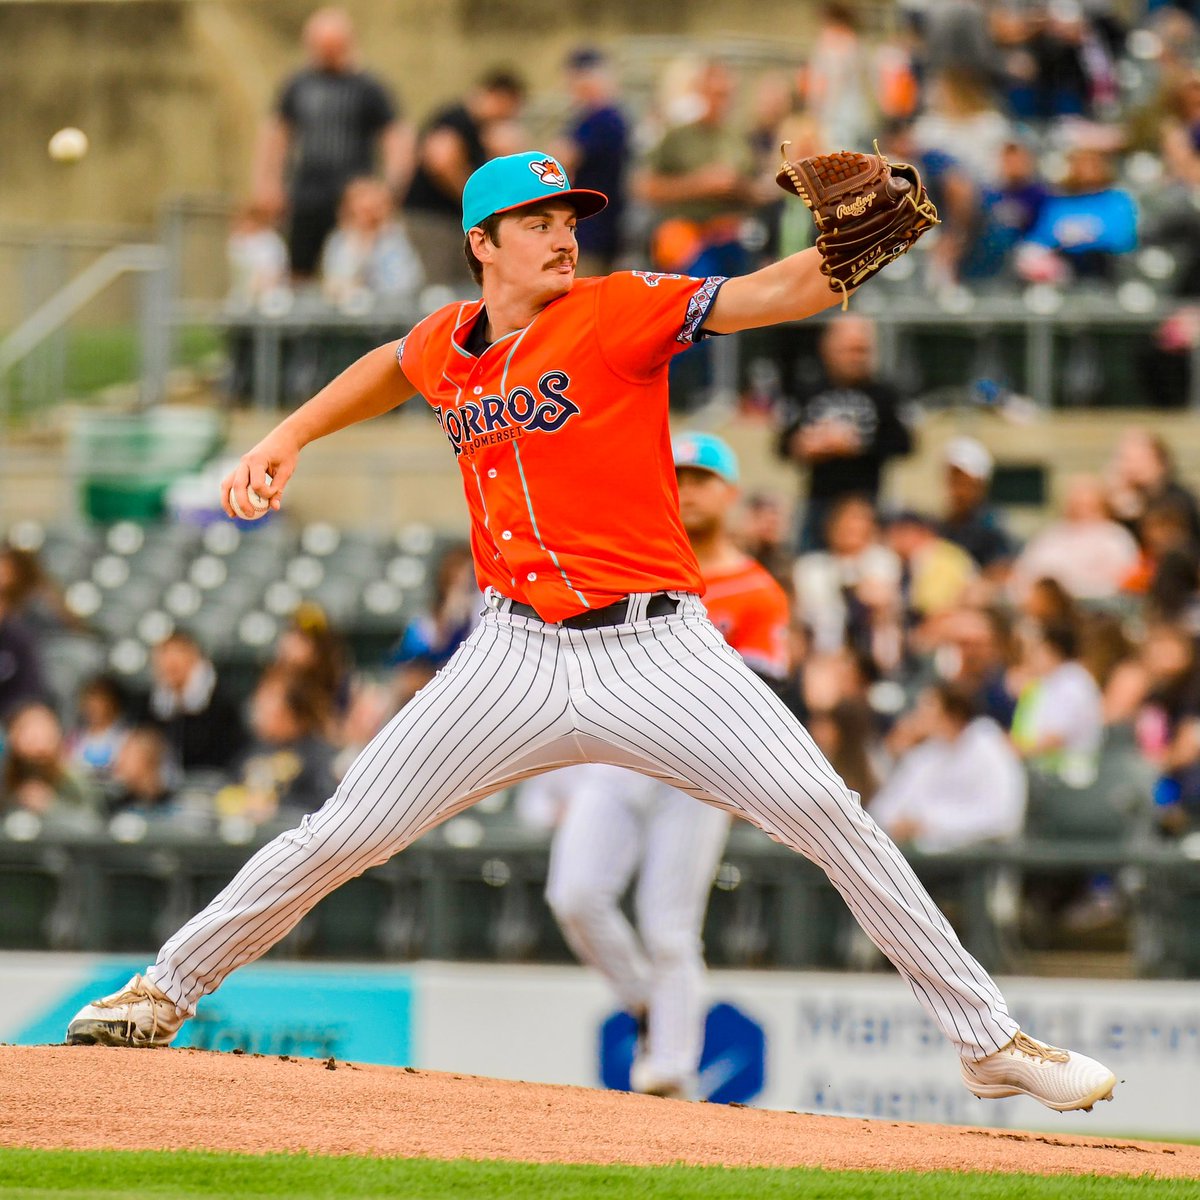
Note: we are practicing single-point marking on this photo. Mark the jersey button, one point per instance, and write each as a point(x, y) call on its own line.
point(492, 473)
point(479, 391)
point(507, 535)
point(532, 576)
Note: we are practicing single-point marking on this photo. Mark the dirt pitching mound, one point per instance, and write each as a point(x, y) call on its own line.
point(98, 1098)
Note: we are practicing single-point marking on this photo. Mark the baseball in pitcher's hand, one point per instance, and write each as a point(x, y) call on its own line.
point(265, 470)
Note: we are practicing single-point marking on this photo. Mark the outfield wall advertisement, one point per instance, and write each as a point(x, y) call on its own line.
point(856, 1045)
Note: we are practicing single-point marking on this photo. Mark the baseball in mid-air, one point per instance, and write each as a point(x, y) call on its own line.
point(68, 145)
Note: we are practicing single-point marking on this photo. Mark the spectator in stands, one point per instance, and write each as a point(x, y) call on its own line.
point(1167, 724)
point(956, 192)
point(1086, 551)
point(701, 181)
point(1111, 658)
point(956, 37)
point(1081, 231)
point(839, 79)
point(201, 725)
point(968, 520)
point(432, 637)
point(595, 151)
point(37, 776)
point(31, 593)
point(974, 650)
point(1180, 133)
point(257, 257)
point(288, 767)
point(140, 774)
point(93, 746)
point(1075, 73)
point(764, 536)
point(837, 589)
point(1007, 211)
point(368, 257)
point(936, 572)
point(961, 785)
point(329, 121)
point(454, 142)
point(310, 647)
point(845, 428)
point(1047, 602)
point(1059, 720)
point(1168, 572)
point(962, 123)
point(1142, 471)
point(20, 659)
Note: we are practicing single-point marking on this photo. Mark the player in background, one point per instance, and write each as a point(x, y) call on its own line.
point(619, 822)
point(594, 645)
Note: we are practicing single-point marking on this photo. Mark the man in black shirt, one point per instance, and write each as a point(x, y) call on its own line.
point(330, 122)
point(454, 142)
point(20, 663)
point(845, 428)
point(202, 725)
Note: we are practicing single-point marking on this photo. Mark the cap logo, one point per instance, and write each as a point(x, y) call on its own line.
point(549, 172)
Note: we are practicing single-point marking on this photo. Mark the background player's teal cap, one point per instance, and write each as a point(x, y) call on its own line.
point(706, 452)
point(519, 179)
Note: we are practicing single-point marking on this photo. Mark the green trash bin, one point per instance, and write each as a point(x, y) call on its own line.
point(124, 462)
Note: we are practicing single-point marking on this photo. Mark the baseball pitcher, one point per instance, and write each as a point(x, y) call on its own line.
point(594, 645)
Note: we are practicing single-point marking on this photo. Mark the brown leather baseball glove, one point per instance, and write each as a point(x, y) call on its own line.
point(868, 211)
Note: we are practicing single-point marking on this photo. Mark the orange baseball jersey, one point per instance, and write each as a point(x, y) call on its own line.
point(562, 437)
point(751, 610)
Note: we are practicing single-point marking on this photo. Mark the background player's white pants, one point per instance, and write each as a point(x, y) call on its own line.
point(616, 823)
point(665, 696)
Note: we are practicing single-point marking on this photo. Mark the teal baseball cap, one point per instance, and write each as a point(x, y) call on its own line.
point(515, 180)
point(706, 452)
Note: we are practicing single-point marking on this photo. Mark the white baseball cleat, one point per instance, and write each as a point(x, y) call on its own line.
point(643, 1079)
point(1059, 1079)
point(138, 1015)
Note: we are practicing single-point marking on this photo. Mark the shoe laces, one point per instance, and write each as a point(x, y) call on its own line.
point(137, 989)
point(1022, 1043)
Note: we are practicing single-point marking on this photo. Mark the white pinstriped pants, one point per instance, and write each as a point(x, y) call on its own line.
point(617, 823)
point(666, 697)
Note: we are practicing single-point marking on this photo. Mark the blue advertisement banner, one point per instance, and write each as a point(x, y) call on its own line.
point(364, 1015)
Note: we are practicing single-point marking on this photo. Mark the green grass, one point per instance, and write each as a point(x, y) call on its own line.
point(126, 1175)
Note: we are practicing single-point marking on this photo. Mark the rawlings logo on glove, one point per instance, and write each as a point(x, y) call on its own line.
point(868, 211)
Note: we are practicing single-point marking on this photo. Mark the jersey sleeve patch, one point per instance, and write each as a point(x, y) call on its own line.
point(702, 299)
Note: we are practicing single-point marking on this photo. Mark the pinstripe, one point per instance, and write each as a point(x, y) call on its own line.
point(887, 866)
point(339, 862)
point(849, 874)
point(836, 864)
point(514, 700)
point(844, 873)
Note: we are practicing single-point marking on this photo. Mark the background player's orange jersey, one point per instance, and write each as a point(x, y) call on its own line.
point(751, 611)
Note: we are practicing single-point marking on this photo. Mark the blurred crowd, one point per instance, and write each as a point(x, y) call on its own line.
point(186, 747)
point(946, 669)
point(935, 657)
point(1059, 138)
point(1053, 134)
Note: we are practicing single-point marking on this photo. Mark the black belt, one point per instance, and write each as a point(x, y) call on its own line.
point(659, 605)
